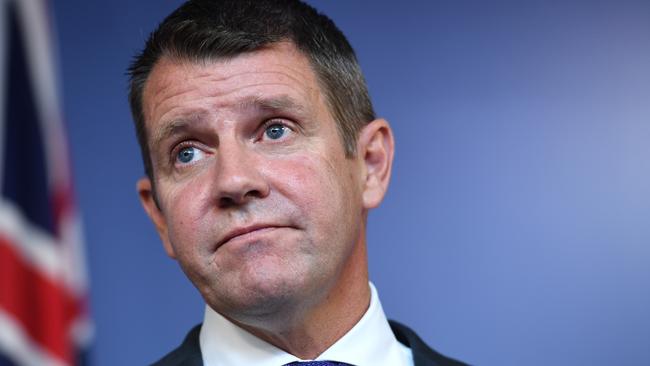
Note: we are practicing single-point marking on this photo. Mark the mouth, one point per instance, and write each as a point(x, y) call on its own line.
point(247, 232)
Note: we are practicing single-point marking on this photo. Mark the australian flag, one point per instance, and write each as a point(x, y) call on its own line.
point(44, 318)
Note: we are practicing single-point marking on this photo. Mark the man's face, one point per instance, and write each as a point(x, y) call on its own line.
point(258, 201)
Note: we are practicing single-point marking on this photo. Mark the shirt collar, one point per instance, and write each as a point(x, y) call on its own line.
point(369, 342)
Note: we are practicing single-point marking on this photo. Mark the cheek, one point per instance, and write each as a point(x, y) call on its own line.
point(322, 188)
point(185, 213)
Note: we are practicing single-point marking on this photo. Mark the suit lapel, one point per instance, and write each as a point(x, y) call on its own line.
point(423, 355)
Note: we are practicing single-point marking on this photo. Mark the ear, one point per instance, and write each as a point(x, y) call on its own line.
point(146, 194)
point(376, 147)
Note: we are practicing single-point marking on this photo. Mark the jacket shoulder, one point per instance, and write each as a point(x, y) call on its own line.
point(423, 355)
point(187, 354)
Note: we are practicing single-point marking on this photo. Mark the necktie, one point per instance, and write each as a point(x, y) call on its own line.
point(318, 363)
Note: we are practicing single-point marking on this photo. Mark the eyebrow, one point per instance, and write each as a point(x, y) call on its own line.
point(177, 126)
point(276, 103)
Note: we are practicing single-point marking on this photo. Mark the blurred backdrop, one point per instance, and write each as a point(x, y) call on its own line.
point(516, 229)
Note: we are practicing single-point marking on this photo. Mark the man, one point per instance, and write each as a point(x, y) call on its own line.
point(263, 156)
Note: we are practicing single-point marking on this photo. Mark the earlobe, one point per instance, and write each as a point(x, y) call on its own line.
point(146, 194)
point(376, 147)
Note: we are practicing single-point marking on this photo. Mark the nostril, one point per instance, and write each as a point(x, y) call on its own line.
point(230, 200)
point(254, 193)
point(226, 202)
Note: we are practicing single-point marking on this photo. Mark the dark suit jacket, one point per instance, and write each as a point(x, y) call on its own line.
point(189, 353)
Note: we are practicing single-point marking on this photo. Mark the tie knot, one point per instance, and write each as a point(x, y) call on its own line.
point(318, 363)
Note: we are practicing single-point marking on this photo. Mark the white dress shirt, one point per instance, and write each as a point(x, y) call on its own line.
point(369, 343)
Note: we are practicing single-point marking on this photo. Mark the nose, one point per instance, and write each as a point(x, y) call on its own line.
point(238, 179)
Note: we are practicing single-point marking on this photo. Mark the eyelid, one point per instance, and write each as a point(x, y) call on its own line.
point(277, 121)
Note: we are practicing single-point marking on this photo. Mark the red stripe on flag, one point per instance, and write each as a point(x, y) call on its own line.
point(44, 309)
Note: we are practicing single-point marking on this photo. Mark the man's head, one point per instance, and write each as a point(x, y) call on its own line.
point(256, 196)
point(205, 30)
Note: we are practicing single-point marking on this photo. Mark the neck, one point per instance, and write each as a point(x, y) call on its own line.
point(308, 333)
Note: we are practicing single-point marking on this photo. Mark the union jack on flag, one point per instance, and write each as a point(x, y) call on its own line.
point(43, 284)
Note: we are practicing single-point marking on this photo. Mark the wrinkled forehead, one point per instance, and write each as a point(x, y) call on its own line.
point(279, 70)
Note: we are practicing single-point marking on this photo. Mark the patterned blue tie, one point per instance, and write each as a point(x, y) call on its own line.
point(318, 363)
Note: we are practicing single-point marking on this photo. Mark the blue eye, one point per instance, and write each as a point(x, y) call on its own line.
point(188, 154)
point(275, 131)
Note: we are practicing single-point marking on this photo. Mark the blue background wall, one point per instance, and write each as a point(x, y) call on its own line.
point(516, 230)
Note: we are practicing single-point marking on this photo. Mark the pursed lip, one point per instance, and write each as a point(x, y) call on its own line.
point(240, 231)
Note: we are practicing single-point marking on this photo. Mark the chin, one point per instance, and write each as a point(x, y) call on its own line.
point(256, 285)
point(255, 295)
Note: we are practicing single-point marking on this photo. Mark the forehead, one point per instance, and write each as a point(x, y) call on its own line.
point(276, 71)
